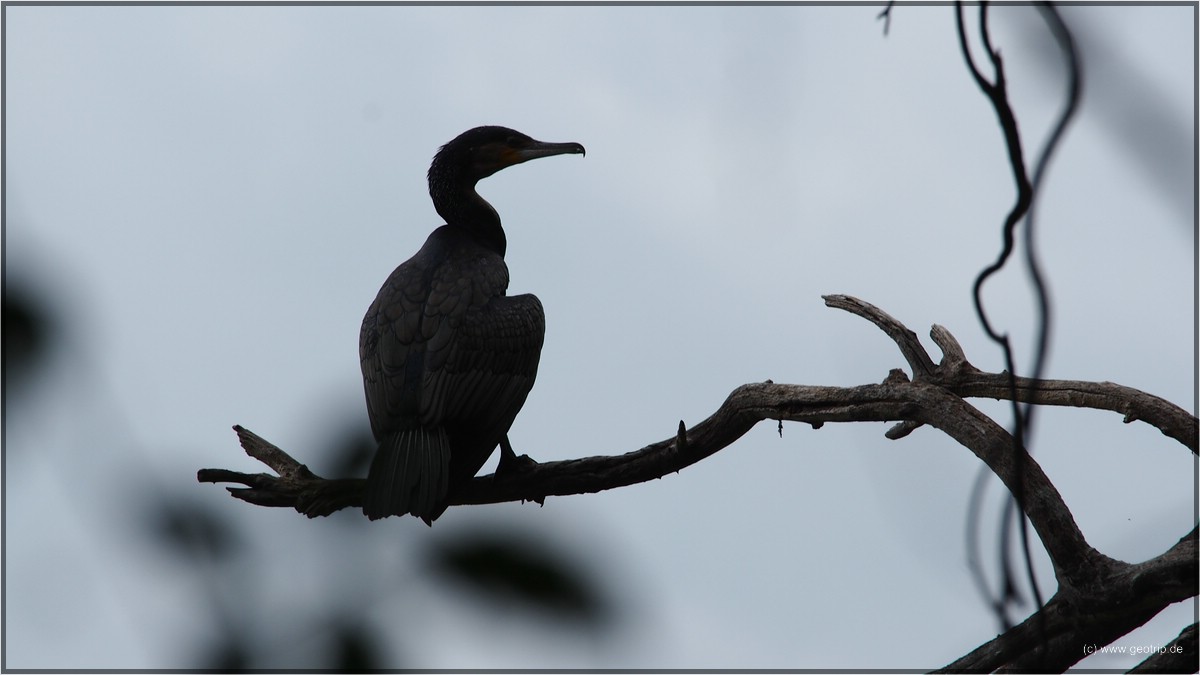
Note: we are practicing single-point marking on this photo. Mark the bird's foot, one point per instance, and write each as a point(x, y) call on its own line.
point(512, 465)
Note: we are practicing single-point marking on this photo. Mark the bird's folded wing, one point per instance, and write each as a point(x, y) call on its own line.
point(481, 365)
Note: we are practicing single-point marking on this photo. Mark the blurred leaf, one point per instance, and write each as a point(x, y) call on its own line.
point(229, 656)
point(517, 570)
point(26, 330)
point(192, 530)
point(352, 453)
point(354, 649)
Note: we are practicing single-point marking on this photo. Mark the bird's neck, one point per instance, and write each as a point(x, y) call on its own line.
point(462, 207)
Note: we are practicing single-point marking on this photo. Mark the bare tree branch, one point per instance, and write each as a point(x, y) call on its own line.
point(1098, 599)
point(1178, 656)
point(1077, 621)
point(932, 398)
point(957, 374)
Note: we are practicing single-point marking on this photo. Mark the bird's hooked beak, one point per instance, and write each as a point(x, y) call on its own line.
point(521, 150)
point(539, 149)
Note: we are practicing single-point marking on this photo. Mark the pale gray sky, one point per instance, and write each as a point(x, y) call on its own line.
point(212, 195)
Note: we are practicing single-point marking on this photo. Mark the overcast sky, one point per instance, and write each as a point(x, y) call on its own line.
point(207, 199)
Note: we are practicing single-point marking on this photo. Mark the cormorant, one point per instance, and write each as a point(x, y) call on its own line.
point(447, 357)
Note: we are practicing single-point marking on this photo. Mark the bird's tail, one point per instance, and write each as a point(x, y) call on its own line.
point(410, 474)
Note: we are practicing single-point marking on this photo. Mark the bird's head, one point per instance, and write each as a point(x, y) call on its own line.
point(482, 151)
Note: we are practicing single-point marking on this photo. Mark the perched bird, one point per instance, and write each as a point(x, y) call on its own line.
point(447, 357)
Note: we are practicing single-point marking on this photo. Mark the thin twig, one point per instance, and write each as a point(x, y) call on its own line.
point(886, 15)
point(997, 95)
